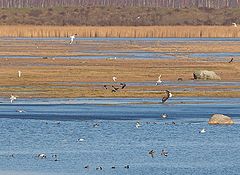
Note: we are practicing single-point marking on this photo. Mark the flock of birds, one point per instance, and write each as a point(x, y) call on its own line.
point(113, 88)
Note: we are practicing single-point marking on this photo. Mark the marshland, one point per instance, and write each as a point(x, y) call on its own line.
point(69, 112)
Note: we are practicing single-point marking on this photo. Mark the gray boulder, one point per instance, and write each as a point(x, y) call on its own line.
point(205, 75)
point(220, 119)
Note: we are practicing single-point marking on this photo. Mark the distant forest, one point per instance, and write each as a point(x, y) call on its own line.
point(122, 3)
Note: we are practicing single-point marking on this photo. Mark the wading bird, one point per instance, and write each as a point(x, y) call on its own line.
point(166, 96)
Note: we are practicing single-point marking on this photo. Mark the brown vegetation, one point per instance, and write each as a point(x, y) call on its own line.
point(132, 3)
point(118, 16)
point(118, 31)
point(64, 78)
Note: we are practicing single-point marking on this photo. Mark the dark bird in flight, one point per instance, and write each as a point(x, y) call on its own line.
point(231, 60)
point(166, 96)
point(105, 86)
point(114, 88)
point(123, 85)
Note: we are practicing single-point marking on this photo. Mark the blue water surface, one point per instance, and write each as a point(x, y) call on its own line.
point(109, 137)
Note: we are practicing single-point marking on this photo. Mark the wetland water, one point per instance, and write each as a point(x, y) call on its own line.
point(107, 129)
point(104, 48)
point(53, 126)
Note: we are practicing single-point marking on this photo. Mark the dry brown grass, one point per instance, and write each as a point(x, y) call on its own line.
point(120, 31)
point(39, 77)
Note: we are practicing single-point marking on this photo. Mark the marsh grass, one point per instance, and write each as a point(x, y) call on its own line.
point(120, 31)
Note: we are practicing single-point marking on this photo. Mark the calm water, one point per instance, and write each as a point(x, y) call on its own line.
point(91, 45)
point(53, 126)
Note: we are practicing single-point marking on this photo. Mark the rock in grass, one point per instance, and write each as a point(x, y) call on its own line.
point(205, 75)
point(220, 119)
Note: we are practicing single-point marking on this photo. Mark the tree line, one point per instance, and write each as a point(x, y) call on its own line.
point(122, 3)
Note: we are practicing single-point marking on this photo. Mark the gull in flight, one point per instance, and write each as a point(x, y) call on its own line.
point(159, 80)
point(114, 78)
point(19, 73)
point(167, 96)
point(72, 37)
point(12, 98)
point(234, 24)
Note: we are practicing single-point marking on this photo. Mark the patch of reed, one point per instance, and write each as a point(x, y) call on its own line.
point(120, 31)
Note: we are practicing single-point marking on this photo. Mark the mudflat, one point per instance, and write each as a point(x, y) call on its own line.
point(49, 75)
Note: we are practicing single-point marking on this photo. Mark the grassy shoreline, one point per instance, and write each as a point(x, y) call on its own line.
point(64, 78)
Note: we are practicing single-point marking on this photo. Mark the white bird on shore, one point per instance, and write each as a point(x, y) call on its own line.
point(234, 24)
point(72, 37)
point(202, 131)
point(12, 98)
point(114, 78)
point(159, 80)
point(19, 73)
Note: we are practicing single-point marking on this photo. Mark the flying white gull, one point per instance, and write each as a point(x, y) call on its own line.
point(114, 78)
point(12, 98)
point(234, 24)
point(72, 37)
point(159, 80)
